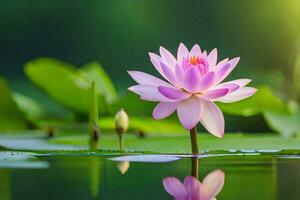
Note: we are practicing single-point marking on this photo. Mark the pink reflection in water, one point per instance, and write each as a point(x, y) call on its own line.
point(193, 189)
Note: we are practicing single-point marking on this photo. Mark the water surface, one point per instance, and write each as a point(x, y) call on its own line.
point(247, 177)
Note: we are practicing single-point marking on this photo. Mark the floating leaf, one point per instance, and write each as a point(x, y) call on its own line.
point(180, 144)
point(146, 158)
point(15, 155)
point(37, 144)
point(11, 118)
point(12, 159)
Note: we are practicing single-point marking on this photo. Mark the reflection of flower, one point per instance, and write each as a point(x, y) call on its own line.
point(123, 166)
point(193, 84)
point(193, 189)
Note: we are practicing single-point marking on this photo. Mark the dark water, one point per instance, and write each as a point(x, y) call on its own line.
point(248, 177)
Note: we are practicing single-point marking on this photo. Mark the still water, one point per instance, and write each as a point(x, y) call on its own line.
point(234, 177)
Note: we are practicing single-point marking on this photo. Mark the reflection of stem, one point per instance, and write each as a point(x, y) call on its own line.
point(194, 169)
point(121, 141)
point(194, 140)
point(94, 176)
point(275, 191)
point(5, 184)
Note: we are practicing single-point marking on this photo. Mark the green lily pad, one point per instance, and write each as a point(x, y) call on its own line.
point(15, 155)
point(32, 144)
point(172, 144)
point(180, 144)
point(13, 159)
point(146, 158)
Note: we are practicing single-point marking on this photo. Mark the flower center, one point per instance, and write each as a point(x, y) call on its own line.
point(196, 61)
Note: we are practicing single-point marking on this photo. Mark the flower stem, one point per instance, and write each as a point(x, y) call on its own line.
point(121, 140)
point(94, 130)
point(194, 140)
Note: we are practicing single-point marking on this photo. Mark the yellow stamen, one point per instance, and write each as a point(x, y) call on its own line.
point(194, 60)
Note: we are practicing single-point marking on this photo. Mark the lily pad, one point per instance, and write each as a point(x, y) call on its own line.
point(146, 158)
point(180, 144)
point(32, 144)
point(15, 155)
point(12, 159)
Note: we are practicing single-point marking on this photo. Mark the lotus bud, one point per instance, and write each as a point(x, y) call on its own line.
point(121, 121)
point(123, 166)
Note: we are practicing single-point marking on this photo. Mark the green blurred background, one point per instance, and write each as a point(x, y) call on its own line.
point(119, 34)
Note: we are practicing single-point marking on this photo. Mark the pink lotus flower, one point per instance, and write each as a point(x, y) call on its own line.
point(193, 189)
point(193, 84)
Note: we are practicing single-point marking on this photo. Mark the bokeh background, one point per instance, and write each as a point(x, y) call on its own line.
point(119, 34)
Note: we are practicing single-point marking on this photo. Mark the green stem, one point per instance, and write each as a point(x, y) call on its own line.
point(194, 140)
point(121, 141)
point(93, 119)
